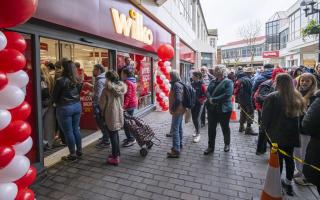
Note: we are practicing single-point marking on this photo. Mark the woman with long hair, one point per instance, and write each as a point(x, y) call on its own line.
point(280, 118)
point(111, 104)
point(48, 115)
point(307, 86)
point(66, 95)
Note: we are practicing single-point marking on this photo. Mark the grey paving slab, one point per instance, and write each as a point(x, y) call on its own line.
point(239, 174)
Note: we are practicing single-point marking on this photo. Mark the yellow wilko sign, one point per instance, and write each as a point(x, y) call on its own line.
point(131, 26)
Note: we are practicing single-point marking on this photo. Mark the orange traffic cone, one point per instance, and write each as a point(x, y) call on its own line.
point(272, 185)
point(233, 116)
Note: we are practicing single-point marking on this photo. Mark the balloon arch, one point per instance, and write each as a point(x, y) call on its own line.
point(165, 53)
point(16, 173)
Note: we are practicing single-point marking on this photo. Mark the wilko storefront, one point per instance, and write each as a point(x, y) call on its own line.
point(89, 32)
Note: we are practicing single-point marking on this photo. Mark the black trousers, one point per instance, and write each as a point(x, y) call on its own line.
point(115, 145)
point(223, 119)
point(262, 138)
point(203, 117)
point(289, 162)
point(196, 113)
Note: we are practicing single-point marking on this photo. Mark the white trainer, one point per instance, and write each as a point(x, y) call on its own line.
point(196, 139)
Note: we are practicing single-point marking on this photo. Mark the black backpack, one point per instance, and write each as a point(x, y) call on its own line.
point(189, 96)
point(263, 91)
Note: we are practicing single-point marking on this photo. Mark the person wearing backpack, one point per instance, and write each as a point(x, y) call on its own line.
point(219, 106)
point(176, 97)
point(260, 95)
point(242, 92)
point(281, 114)
point(196, 111)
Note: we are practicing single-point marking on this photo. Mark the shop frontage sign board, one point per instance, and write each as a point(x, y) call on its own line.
point(270, 54)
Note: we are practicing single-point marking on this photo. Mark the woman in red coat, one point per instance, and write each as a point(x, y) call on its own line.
point(130, 101)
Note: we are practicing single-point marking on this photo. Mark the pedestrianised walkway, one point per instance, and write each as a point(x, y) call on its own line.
point(236, 175)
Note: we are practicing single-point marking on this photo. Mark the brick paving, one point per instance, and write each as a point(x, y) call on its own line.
point(238, 174)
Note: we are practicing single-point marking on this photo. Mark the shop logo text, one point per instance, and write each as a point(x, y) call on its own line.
point(131, 26)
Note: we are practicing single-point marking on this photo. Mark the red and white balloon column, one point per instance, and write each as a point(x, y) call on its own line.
point(165, 53)
point(16, 173)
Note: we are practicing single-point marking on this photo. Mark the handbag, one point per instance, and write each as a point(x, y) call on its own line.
point(215, 107)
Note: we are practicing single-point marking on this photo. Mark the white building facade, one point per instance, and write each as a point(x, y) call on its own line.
point(295, 50)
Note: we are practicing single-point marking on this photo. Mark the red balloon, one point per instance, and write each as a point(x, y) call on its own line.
point(165, 52)
point(15, 12)
point(163, 70)
point(165, 108)
point(3, 80)
point(167, 93)
point(162, 87)
point(27, 179)
point(162, 104)
point(15, 41)
point(25, 194)
point(159, 99)
point(16, 132)
point(11, 60)
point(6, 155)
point(157, 94)
point(22, 112)
point(160, 82)
point(160, 63)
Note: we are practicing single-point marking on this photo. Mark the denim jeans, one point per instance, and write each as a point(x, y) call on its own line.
point(114, 137)
point(69, 119)
point(196, 113)
point(126, 130)
point(101, 123)
point(176, 131)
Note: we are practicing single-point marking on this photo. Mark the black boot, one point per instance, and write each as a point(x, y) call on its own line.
point(249, 131)
point(241, 128)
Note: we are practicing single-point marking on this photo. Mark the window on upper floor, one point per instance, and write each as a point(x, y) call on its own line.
point(295, 25)
point(185, 8)
point(284, 38)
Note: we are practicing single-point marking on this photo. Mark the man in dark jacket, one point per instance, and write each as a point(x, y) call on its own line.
point(311, 125)
point(265, 75)
point(100, 80)
point(243, 94)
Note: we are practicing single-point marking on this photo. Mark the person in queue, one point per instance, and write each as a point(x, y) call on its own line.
point(66, 96)
point(219, 107)
point(196, 111)
point(311, 125)
point(100, 80)
point(317, 74)
point(130, 102)
point(307, 86)
point(177, 110)
point(111, 105)
point(243, 96)
point(280, 118)
point(48, 111)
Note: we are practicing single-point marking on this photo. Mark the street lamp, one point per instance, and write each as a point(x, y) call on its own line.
point(309, 9)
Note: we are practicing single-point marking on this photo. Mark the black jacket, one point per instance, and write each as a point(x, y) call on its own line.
point(311, 125)
point(282, 130)
point(244, 94)
point(65, 92)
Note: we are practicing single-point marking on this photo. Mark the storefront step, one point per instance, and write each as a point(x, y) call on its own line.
point(56, 157)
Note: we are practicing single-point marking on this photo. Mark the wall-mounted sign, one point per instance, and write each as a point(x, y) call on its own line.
point(270, 54)
point(131, 26)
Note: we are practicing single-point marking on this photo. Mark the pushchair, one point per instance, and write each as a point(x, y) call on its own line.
point(141, 131)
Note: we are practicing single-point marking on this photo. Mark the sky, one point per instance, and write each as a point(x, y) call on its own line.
point(229, 15)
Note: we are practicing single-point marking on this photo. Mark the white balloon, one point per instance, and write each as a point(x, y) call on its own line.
point(162, 77)
point(166, 99)
point(19, 78)
point(16, 169)
point(167, 63)
point(169, 68)
point(3, 41)
point(169, 86)
point(11, 97)
point(166, 81)
point(5, 117)
point(24, 147)
point(162, 95)
point(8, 191)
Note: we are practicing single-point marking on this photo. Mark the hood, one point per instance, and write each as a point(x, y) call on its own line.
point(240, 75)
point(132, 79)
point(277, 71)
point(117, 89)
point(267, 73)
